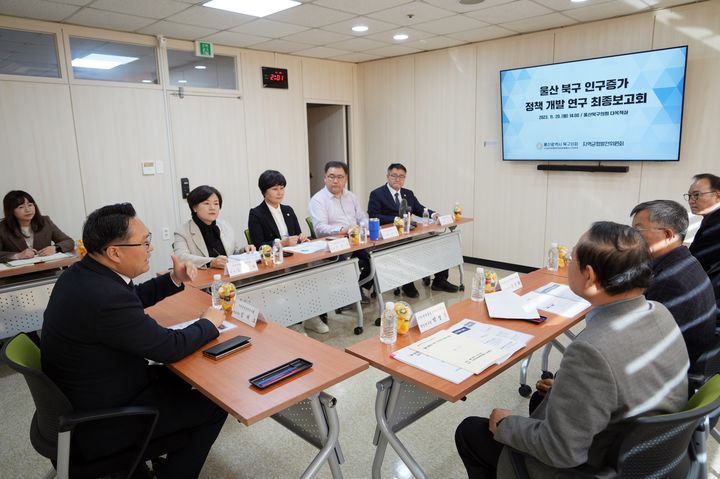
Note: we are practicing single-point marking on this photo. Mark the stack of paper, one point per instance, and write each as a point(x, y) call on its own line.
point(225, 326)
point(508, 305)
point(38, 259)
point(470, 347)
point(308, 247)
point(253, 256)
point(557, 299)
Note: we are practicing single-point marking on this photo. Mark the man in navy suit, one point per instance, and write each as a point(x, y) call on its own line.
point(384, 204)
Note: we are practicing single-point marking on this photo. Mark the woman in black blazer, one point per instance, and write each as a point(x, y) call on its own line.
point(25, 233)
point(270, 219)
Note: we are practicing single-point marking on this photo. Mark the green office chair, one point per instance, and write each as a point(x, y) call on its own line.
point(661, 446)
point(55, 421)
point(247, 236)
point(309, 222)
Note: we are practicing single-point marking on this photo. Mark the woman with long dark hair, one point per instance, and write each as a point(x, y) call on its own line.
point(25, 233)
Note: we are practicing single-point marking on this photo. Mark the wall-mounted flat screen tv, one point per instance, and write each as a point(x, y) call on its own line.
point(618, 108)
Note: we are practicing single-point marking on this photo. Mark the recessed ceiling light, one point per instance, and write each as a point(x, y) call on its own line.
point(470, 2)
point(99, 61)
point(577, 1)
point(200, 67)
point(147, 81)
point(400, 36)
point(256, 8)
point(360, 28)
point(182, 81)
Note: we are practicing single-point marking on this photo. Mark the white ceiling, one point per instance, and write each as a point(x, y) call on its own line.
point(322, 28)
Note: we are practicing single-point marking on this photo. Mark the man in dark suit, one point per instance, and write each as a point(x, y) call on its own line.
point(96, 340)
point(704, 199)
point(385, 204)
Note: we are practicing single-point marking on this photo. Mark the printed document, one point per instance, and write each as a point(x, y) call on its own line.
point(459, 351)
point(308, 247)
point(557, 299)
point(508, 305)
point(225, 326)
point(38, 259)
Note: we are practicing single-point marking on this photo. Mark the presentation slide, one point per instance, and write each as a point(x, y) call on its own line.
point(624, 107)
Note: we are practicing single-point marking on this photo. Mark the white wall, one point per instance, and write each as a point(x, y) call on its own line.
point(77, 145)
point(439, 114)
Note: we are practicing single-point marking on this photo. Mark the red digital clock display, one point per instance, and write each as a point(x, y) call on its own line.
point(275, 77)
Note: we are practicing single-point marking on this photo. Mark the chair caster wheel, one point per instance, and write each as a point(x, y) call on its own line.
point(377, 322)
point(524, 390)
point(461, 287)
point(396, 292)
point(547, 375)
point(426, 280)
point(358, 330)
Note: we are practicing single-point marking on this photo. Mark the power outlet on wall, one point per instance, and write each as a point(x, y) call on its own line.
point(166, 233)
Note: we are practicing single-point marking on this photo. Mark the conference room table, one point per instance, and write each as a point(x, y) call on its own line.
point(307, 285)
point(298, 403)
point(409, 393)
point(25, 292)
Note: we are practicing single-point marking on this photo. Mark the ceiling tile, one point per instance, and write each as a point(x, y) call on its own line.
point(104, 19)
point(482, 34)
point(310, 16)
point(316, 37)
point(392, 51)
point(435, 43)
point(421, 12)
point(603, 10)
point(510, 12)
point(234, 39)
point(36, 9)
point(210, 18)
point(157, 9)
point(562, 5)
point(387, 37)
point(357, 44)
point(177, 30)
point(543, 22)
point(268, 28)
point(321, 52)
point(360, 7)
point(281, 46)
point(456, 6)
point(457, 23)
point(356, 57)
point(374, 26)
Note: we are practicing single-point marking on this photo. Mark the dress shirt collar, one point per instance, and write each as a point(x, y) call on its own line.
point(330, 195)
point(124, 278)
point(392, 192)
point(713, 210)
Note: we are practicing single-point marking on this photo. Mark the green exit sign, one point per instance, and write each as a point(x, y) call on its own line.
point(204, 49)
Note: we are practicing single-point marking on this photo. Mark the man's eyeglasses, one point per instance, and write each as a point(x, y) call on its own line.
point(335, 178)
point(696, 196)
point(146, 244)
point(397, 177)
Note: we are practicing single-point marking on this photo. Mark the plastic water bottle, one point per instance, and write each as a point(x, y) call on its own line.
point(277, 252)
point(553, 257)
point(215, 289)
point(363, 231)
point(426, 217)
point(388, 324)
point(478, 286)
point(407, 217)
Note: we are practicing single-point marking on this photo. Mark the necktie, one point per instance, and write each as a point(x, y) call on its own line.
point(397, 201)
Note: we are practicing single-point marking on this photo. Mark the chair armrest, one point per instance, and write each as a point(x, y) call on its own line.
point(69, 421)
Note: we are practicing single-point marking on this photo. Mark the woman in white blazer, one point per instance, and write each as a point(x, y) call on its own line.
point(205, 240)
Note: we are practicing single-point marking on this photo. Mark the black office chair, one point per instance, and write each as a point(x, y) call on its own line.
point(653, 446)
point(55, 421)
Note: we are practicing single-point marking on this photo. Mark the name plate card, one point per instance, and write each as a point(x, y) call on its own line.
point(245, 312)
point(511, 282)
point(391, 232)
point(234, 268)
point(338, 245)
point(431, 317)
point(445, 220)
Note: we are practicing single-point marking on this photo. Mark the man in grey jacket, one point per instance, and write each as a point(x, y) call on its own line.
point(629, 361)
